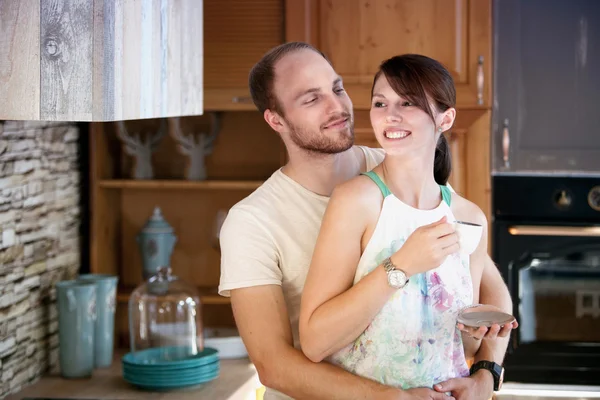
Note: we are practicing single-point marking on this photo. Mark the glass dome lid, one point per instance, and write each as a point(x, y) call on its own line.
point(165, 315)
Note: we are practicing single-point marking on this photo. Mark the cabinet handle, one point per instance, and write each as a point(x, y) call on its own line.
point(480, 80)
point(241, 99)
point(505, 143)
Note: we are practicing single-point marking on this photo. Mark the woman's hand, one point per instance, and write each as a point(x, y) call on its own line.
point(479, 386)
point(424, 394)
point(426, 248)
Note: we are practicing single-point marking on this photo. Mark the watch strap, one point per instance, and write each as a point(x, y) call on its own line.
point(495, 369)
point(388, 265)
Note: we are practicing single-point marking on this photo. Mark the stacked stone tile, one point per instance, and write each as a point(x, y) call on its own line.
point(39, 243)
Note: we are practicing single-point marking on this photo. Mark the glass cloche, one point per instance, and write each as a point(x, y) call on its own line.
point(165, 314)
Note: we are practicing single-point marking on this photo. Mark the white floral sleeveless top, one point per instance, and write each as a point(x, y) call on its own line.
point(413, 341)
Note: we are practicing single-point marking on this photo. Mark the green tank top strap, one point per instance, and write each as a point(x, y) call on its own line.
point(382, 186)
point(446, 194)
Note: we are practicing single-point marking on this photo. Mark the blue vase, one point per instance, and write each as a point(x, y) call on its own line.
point(76, 327)
point(106, 301)
point(156, 242)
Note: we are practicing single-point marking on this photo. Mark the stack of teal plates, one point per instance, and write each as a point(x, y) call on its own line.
point(155, 369)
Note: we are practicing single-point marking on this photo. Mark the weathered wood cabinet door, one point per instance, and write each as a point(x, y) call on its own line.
point(358, 34)
point(96, 60)
point(236, 35)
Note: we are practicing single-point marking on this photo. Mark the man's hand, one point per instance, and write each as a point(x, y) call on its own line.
point(491, 333)
point(479, 386)
point(424, 394)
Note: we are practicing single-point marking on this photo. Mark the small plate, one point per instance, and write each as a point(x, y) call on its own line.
point(484, 315)
point(158, 358)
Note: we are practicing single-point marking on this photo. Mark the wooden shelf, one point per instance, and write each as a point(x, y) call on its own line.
point(208, 296)
point(178, 184)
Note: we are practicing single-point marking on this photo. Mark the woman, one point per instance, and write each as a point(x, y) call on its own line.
point(397, 217)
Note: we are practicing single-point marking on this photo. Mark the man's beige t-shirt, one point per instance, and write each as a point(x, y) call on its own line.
point(268, 238)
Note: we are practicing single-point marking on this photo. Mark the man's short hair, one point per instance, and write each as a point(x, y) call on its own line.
point(262, 75)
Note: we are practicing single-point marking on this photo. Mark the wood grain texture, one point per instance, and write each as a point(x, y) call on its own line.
point(105, 216)
point(192, 60)
point(237, 33)
point(66, 43)
point(101, 60)
point(19, 59)
point(357, 35)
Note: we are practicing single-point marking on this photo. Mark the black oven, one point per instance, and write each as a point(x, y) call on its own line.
point(546, 242)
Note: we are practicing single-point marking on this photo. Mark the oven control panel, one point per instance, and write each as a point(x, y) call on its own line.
point(559, 198)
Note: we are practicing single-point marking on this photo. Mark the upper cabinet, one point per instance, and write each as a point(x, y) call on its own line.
point(357, 35)
point(72, 60)
point(547, 86)
point(237, 33)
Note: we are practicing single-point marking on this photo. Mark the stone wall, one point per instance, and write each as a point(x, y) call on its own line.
point(39, 243)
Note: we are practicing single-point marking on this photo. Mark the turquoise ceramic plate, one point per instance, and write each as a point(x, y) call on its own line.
point(159, 357)
point(173, 384)
point(171, 381)
point(168, 378)
point(168, 373)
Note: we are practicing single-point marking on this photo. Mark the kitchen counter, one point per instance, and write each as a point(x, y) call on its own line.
point(238, 380)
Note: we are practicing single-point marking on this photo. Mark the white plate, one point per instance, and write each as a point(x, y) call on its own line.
point(227, 341)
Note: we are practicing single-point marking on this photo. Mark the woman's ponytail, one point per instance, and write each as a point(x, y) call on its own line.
point(442, 163)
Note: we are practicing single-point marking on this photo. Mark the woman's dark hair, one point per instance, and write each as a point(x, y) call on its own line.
point(418, 79)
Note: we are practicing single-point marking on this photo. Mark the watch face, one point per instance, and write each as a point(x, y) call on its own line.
point(397, 279)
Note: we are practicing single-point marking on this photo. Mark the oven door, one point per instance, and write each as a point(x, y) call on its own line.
point(553, 274)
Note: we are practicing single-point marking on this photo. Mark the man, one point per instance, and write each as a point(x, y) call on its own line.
point(268, 238)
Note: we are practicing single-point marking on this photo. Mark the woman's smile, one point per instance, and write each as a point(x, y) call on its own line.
point(396, 133)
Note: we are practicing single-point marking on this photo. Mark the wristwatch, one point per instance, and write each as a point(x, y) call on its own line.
point(396, 277)
point(496, 370)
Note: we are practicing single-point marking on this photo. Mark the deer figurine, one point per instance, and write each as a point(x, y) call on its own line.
point(196, 147)
point(141, 148)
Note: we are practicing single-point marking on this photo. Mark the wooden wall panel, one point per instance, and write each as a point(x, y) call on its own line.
point(101, 60)
point(19, 59)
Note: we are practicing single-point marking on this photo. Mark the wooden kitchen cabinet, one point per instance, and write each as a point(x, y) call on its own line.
point(236, 35)
point(547, 88)
point(356, 35)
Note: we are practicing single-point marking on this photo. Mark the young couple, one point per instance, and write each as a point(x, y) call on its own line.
point(346, 253)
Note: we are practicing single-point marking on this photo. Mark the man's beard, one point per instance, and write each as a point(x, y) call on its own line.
point(323, 142)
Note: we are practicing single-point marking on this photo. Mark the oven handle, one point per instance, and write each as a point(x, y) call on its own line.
point(529, 230)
